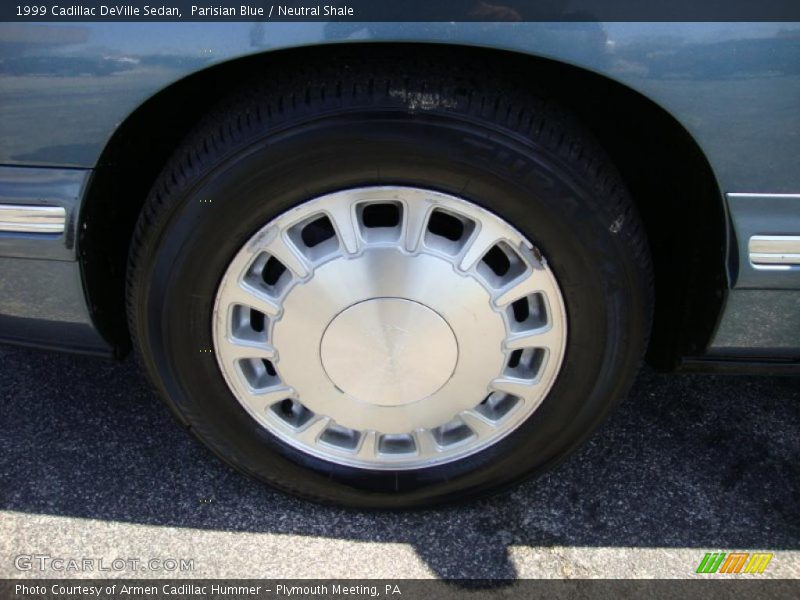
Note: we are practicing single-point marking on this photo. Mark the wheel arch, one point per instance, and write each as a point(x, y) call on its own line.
point(666, 171)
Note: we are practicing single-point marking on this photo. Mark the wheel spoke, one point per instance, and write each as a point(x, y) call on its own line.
point(544, 337)
point(426, 444)
point(311, 432)
point(530, 283)
point(367, 446)
point(479, 425)
point(234, 349)
point(249, 296)
point(416, 218)
point(259, 401)
point(285, 252)
point(269, 396)
point(486, 237)
point(341, 215)
point(515, 387)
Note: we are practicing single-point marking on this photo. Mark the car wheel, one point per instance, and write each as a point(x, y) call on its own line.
point(367, 292)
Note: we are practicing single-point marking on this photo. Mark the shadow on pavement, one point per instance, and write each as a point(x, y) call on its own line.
point(686, 461)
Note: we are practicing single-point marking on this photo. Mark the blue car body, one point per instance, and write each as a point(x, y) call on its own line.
point(70, 94)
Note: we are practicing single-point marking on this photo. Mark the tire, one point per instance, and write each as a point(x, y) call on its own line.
point(487, 140)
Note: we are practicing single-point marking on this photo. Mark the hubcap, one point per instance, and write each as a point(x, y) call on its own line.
point(389, 328)
point(389, 351)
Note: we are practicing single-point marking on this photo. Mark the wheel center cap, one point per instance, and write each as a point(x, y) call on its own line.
point(389, 351)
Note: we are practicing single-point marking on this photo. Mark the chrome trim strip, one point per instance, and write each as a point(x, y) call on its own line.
point(754, 195)
point(32, 219)
point(769, 250)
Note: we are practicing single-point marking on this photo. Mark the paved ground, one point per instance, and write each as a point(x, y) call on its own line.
point(92, 465)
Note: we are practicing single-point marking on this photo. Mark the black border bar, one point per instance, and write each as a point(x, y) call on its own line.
point(712, 588)
point(43, 11)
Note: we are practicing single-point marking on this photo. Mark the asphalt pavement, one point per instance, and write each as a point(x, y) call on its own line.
point(93, 465)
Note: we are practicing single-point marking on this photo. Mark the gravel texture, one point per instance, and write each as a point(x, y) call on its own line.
point(93, 465)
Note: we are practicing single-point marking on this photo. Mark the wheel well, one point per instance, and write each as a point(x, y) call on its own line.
point(669, 177)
